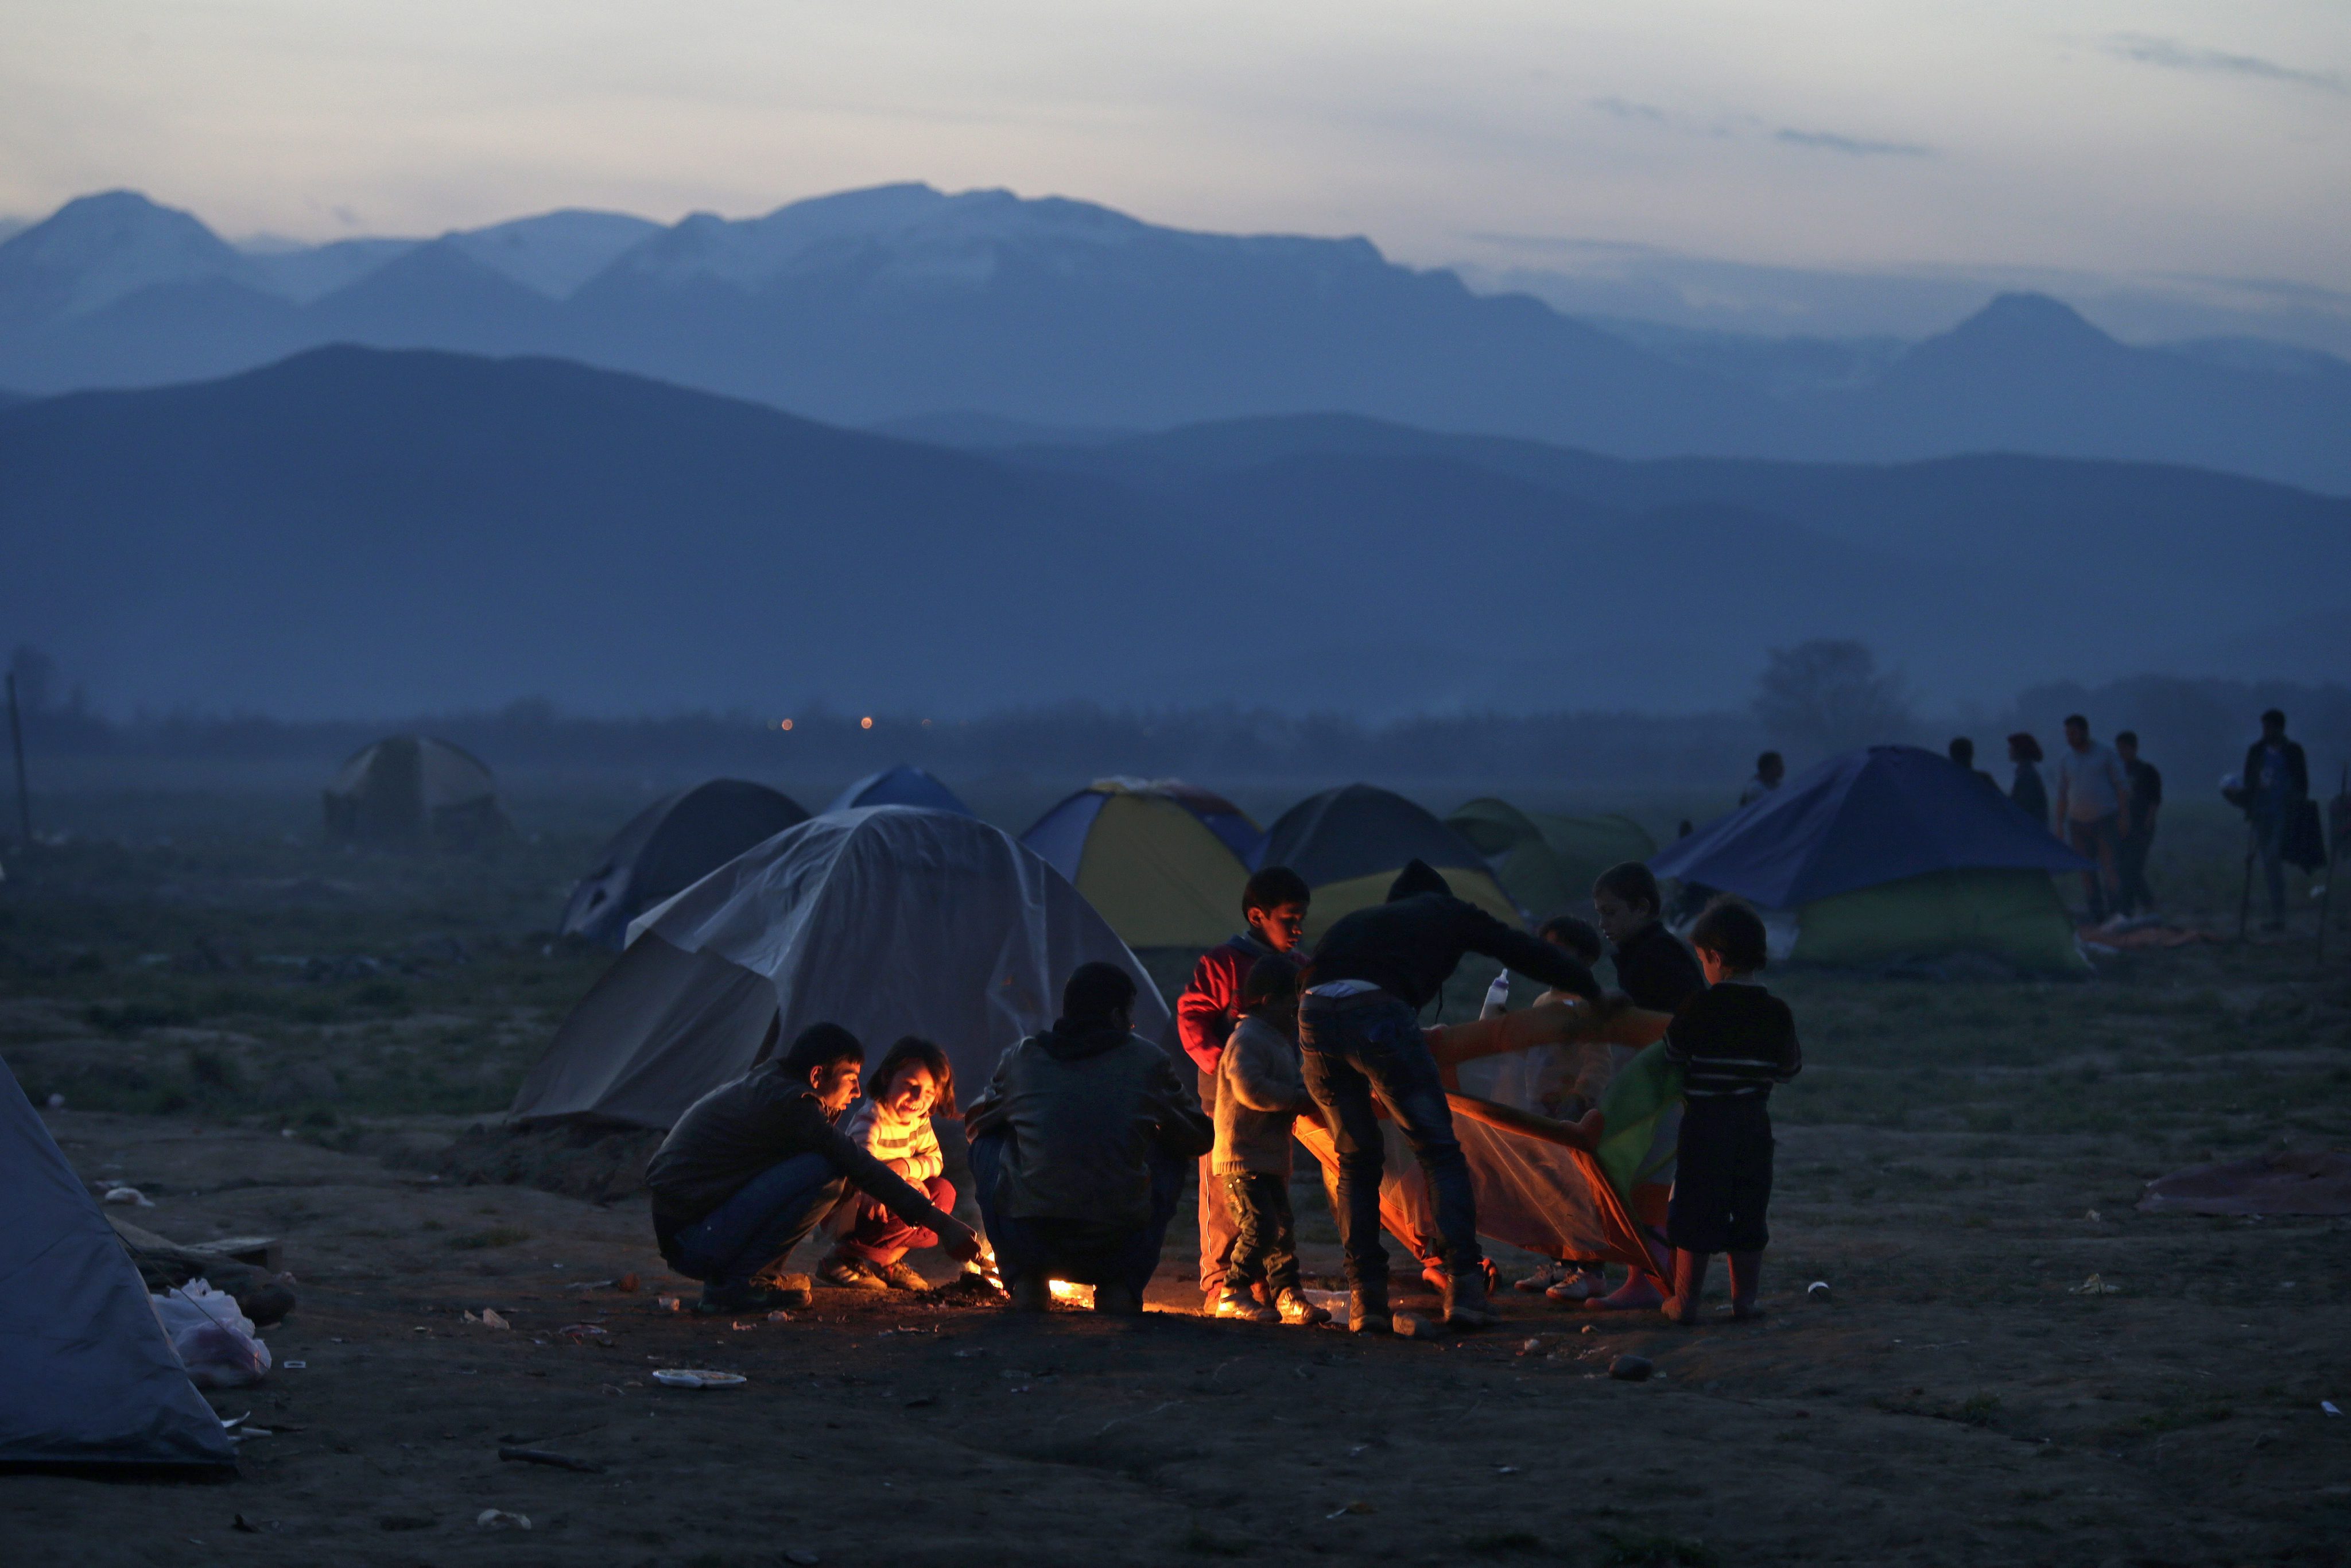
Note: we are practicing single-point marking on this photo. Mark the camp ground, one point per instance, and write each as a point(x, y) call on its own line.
point(667, 847)
point(1350, 842)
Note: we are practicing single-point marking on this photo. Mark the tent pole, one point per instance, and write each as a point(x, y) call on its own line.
point(16, 737)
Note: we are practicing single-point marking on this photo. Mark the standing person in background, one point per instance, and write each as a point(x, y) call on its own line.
point(1273, 913)
point(2277, 780)
point(2134, 896)
point(2028, 791)
point(2094, 808)
point(1771, 770)
point(1657, 973)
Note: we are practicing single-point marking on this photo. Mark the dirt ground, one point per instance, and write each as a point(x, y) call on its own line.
point(1960, 1157)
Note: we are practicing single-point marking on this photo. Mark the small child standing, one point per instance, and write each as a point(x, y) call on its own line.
point(1260, 1091)
point(893, 1123)
point(1733, 1041)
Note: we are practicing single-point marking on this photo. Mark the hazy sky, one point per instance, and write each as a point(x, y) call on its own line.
point(2155, 137)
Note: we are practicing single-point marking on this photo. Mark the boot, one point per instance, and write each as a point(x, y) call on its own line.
point(1465, 1303)
point(1367, 1310)
point(1032, 1293)
point(1746, 1278)
point(1690, 1283)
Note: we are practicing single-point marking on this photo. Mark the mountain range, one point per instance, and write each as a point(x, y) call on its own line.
point(900, 302)
point(359, 530)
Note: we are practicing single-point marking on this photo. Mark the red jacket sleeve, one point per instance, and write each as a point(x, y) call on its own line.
point(1204, 1013)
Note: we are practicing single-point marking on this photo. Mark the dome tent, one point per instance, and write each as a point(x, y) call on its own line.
point(1158, 858)
point(86, 1375)
point(1350, 842)
point(1547, 862)
point(412, 788)
point(905, 785)
point(886, 920)
point(1892, 852)
point(669, 846)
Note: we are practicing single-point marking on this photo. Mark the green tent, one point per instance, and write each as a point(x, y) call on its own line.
point(2012, 913)
point(1545, 862)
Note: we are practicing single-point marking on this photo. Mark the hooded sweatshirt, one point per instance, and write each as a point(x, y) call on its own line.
point(1084, 1104)
point(1410, 945)
point(1211, 1005)
point(1262, 1082)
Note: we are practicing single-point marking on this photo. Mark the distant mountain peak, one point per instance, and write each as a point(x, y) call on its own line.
point(98, 249)
point(2032, 318)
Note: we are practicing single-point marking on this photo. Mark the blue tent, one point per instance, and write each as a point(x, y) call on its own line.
point(905, 785)
point(1893, 853)
point(1863, 820)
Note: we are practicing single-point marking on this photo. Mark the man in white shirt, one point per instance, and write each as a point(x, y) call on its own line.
point(2093, 809)
point(1770, 770)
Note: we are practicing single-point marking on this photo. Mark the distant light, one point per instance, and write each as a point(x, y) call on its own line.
point(786, 725)
point(926, 723)
point(865, 723)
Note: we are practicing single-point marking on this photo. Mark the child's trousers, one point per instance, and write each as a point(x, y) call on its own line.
point(1722, 1177)
point(1265, 1250)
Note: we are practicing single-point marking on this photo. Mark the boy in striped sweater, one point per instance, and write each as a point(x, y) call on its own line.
point(893, 1123)
point(1733, 1041)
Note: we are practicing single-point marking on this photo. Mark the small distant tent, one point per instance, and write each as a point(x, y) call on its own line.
point(887, 920)
point(409, 789)
point(669, 846)
point(1164, 862)
point(1349, 844)
point(86, 1375)
point(1547, 862)
point(1892, 852)
point(905, 785)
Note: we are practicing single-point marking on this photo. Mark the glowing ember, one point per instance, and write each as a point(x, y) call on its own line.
point(1076, 1295)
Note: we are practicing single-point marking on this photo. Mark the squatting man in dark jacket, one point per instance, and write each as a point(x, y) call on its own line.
point(1359, 1031)
point(1079, 1148)
point(756, 1164)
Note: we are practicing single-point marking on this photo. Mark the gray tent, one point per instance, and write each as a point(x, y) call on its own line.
point(888, 920)
point(669, 846)
point(412, 788)
point(86, 1375)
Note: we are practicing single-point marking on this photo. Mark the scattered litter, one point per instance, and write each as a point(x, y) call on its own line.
point(245, 1526)
point(294, 1365)
point(284, 1132)
point(588, 1284)
point(2095, 1286)
point(1358, 1506)
point(781, 1316)
point(2092, 1214)
point(577, 1332)
point(1530, 1347)
point(1506, 1469)
point(802, 1557)
point(213, 1339)
point(1817, 1291)
point(552, 1460)
point(56, 1101)
point(1589, 1327)
point(1631, 1368)
point(666, 1303)
point(742, 1328)
point(499, 1519)
point(2328, 1405)
point(1334, 1300)
point(1409, 1325)
point(696, 1377)
point(1357, 1450)
point(129, 1197)
point(490, 1318)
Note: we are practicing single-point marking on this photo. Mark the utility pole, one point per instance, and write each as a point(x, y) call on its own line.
point(16, 737)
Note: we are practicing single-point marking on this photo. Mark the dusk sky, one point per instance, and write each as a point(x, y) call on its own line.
point(2155, 137)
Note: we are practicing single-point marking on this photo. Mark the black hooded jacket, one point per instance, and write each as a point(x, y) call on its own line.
point(1411, 945)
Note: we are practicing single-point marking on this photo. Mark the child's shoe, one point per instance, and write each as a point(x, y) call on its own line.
point(901, 1276)
point(1292, 1307)
point(1240, 1303)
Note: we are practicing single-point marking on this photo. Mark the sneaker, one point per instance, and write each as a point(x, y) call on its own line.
point(1576, 1285)
point(1465, 1303)
point(1246, 1307)
point(1547, 1277)
point(845, 1272)
point(1292, 1307)
point(1367, 1312)
point(901, 1276)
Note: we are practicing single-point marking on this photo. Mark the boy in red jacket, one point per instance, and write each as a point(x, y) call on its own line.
point(1274, 907)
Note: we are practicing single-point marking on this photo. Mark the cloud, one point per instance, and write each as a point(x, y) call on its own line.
point(1854, 146)
point(2173, 54)
point(1624, 109)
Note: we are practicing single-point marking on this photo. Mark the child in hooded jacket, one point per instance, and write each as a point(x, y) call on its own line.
point(1260, 1091)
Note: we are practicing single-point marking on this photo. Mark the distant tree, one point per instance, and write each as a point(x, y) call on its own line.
point(36, 679)
point(1830, 695)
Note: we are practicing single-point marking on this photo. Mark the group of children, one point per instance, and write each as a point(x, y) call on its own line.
point(1731, 1039)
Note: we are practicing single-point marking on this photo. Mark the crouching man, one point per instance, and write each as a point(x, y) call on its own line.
point(1079, 1148)
point(756, 1164)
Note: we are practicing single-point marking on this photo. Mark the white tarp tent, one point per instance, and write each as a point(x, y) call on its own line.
point(887, 920)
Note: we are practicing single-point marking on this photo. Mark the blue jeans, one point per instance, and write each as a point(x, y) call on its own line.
point(1086, 1252)
point(1355, 1048)
point(767, 1218)
point(2268, 833)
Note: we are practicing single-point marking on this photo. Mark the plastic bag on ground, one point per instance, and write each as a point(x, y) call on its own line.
point(214, 1340)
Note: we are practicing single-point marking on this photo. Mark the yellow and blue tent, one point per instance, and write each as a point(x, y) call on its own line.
point(1164, 862)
